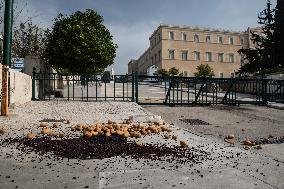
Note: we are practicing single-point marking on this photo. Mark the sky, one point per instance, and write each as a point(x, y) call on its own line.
point(131, 22)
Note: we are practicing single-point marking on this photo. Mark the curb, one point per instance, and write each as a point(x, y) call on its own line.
point(274, 105)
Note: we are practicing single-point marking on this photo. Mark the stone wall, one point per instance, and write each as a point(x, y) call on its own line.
point(20, 87)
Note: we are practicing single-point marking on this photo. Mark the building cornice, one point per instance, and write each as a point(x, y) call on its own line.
point(197, 29)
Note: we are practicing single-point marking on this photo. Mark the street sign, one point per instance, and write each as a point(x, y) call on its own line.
point(17, 64)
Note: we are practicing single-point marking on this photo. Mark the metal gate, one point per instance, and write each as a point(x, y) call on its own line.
point(51, 86)
point(186, 91)
point(156, 90)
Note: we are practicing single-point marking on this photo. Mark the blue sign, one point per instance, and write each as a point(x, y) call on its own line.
point(17, 64)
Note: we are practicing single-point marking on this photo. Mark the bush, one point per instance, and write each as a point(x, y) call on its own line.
point(173, 71)
point(204, 70)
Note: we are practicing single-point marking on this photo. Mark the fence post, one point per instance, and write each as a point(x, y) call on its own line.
point(133, 82)
point(33, 84)
point(87, 83)
point(264, 92)
point(136, 87)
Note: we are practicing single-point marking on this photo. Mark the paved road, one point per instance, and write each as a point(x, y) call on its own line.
point(245, 122)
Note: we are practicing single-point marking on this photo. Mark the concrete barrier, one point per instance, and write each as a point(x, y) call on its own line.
point(20, 87)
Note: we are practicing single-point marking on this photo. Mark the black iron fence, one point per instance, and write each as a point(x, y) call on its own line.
point(207, 91)
point(50, 86)
point(151, 90)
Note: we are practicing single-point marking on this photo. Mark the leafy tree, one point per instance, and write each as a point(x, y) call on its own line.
point(80, 44)
point(265, 57)
point(279, 32)
point(28, 39)
point(173, 71)
point(163, 72)
point(204, 70)
point(106, 76)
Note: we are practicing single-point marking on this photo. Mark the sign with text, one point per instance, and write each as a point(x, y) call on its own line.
point(17, 64)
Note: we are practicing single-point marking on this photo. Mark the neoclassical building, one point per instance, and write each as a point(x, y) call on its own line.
point(186, 47)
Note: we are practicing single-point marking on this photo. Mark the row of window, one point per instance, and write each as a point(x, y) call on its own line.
point(207, 39)
point(186, 74)
point(196, 56)
point(155, 58)
point(155, 40)
point(221, 75)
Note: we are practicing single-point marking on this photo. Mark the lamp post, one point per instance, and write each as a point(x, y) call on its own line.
point(7, 43)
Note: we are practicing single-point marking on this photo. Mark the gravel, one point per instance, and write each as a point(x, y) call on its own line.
point(106, 147)
point(67, 114)
point(26, 118)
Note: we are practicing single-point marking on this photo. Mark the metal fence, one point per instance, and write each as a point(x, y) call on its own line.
point(50, 86)
point(207, 91)
point(157, 90)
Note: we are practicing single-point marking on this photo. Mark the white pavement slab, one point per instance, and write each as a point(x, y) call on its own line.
point(275, 105)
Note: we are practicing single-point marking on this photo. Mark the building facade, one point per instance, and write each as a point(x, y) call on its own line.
point(187, 47)
point(132, 66)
